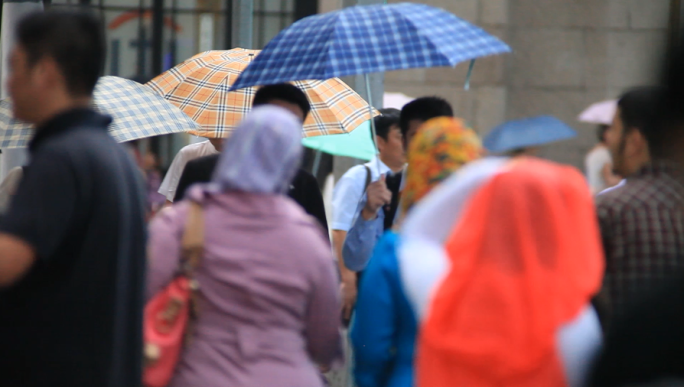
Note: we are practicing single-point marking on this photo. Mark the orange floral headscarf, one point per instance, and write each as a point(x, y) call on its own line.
point(441, 146)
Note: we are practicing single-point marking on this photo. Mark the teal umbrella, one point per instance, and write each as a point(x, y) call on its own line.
point(357, 143)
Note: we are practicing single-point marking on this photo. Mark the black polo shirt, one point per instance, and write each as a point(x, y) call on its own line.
point(76, 318)
point(304, 188)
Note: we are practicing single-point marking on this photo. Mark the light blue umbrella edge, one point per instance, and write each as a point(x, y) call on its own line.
point(356, 144)
point(492, 142)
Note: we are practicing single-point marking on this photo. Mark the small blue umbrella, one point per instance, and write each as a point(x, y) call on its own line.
point(527, 132)
point(368, 39)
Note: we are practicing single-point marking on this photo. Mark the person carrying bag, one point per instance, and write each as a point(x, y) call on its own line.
point(170, 315)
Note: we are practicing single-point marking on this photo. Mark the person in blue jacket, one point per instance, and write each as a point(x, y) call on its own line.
point(385, 326)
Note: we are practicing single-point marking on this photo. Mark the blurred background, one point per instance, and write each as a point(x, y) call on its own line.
point(566, 55)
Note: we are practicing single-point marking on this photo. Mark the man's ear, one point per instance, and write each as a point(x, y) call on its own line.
point(640, 140)
point(48, 73)
point(380, 142)
point(635, 142)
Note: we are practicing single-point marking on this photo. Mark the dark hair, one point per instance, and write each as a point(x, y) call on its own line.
point(640, 109)
point(671, 136)
point(423, 109)
point(387, 118)
point(74, 39)
point(601, 132)
point(673, 82)
point(284, 92)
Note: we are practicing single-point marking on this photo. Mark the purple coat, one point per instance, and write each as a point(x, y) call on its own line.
point(269, 307)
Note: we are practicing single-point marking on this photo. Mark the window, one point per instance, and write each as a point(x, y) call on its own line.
point(190, 27)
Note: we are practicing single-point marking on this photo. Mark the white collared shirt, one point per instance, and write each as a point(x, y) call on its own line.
point(187, 153)
point(349, 191)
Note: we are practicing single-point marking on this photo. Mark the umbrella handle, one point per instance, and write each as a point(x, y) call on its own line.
point(317, 162)
point(372, 121)
point(470, 73)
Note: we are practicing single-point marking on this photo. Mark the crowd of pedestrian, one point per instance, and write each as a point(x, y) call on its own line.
point(445, 265)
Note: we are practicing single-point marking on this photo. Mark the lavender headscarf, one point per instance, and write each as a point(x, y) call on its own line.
point(263, 153)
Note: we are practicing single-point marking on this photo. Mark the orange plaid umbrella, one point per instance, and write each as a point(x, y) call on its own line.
point(199, 87)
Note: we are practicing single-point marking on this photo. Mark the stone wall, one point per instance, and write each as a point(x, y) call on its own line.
point(571, 53)
point(566, 55)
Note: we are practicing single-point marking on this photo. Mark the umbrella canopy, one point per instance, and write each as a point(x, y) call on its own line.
point(601, 113)
point(357, 144)
point(136, 112)
point(528, 132)
point(200, 87)
point(368, 39)
point(395, 100)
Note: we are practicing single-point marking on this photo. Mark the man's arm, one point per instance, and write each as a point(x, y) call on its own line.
point(368, 227)
point(39, 216)
point(348, 277)
point(16, 258)
point(346, 196)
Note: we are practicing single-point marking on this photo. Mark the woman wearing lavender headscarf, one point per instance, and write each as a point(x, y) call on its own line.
point(268, 298)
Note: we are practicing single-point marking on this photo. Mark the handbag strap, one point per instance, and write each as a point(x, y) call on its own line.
point(192, 249)
point(192, 244)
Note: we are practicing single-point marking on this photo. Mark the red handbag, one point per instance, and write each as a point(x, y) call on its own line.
point(171, 313)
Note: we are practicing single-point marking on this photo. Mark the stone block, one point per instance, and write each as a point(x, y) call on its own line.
point(557, 13)
point(547, 57)
point(634, 57)
point(638, 14)
point(462, 101)
point(408, 76)
point(465, 9)
point(325, 6)
point(651, 14)
point(494, 12)
point(487, 71)
point(596, 58)
point(490, 108)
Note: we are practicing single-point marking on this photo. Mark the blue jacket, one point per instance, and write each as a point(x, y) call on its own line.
point(384, 329)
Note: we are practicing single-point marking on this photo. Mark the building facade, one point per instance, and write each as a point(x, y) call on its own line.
point(566, 55)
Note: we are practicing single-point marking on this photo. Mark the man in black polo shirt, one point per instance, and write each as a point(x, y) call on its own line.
point(72, 242)
point(304, 188)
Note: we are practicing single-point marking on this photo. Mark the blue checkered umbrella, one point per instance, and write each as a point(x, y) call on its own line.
point(368, 39)
point(527, 132)
point(136, 110)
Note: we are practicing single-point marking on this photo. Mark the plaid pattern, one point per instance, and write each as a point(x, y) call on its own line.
point(13, 133)
point(642, 225)
point(368, 39)
point(201, 85)
point(136, 112)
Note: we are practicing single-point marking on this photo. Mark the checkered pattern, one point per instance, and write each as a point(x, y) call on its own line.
point(642, 225)
point(13, 133)
point(200, 87)
point(368, 39)
point(136, 112)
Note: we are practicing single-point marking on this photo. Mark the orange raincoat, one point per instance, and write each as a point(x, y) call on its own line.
point(526, 259)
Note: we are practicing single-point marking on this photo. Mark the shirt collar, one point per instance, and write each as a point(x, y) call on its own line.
point(66, 121)
point(384, 169)
point(660, 167)
point(374, 162)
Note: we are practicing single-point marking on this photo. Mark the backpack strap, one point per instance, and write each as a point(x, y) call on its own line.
point(368, 178)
